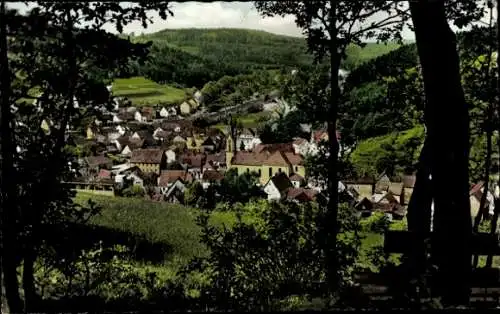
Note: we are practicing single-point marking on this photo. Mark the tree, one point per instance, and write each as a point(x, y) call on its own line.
point(193, 194)
point(448, 148)
point(76, 71)
point(329, 29)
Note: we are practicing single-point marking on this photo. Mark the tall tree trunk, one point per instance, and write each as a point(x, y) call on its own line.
point(332, 208)
point(10, 284)
point(419, 211)
point(448, 132)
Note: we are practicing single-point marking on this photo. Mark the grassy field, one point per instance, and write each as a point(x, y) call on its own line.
point(143, 92)
point(249, 120)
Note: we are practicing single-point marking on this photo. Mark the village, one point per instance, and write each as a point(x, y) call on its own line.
point(156, 153)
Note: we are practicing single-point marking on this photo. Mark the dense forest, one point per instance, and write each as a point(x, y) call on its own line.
point(192, 57)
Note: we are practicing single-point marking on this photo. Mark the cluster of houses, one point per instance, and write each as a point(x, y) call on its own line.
point(162, 153)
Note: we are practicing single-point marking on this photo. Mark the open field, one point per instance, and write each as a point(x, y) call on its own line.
point(143, 92)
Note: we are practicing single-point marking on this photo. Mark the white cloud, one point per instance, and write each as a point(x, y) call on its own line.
point(217, 15)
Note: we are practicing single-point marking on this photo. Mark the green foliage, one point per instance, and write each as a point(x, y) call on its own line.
point(394, 153)
point(259, 266)
point(107, 273)
point(143, 92)
point(229, 51)
point(134, 191)
point(193, 194)
point(236, 188)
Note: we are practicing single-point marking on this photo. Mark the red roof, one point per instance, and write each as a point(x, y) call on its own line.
point(170, 176)
point(103, 173)
point(147, 156)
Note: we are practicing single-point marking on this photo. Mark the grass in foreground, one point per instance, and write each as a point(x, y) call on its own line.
point(144, 92)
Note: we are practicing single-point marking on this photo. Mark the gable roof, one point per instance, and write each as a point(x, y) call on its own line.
point(170, 176)
point(208, 142)
point(212, 175)
point(100, 160)
point(409, 181)
point(296, 177)
point(196, 160)
point(396, 188)
point(135, 143)
point(277, 159)
point(217, 157)
point(148, 156)
point(281, 182)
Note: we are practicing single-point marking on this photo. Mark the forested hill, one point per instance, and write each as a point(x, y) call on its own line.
point(193, 56)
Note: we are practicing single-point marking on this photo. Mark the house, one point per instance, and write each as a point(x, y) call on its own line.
point(170, 155)
point(132, 144)
point(91, 132)
point(121, 129)
point(194, 142)
point(188, 106)
point(211, 176)
point(301, 146)
point(198, 97)
point(149, 160)
point(185, 108)
point(148, 114)
point(138, 116)
point(301, 195)
point(104, 175)
point(247, 139)
point(475, 195)
point(194, 162)
point(266, 160)
point(169, 177)
point(162, 136)
point(364, 187)
point(96, 163)
point(396, 188)
point(408, 185)
point(164, 112)
point(208, 145)
point(215, 161)
point(175, 194)
point(277, 186)
point(297, 180)
point(156, 131)
point(112, 134)
point(144, 135)
point(382, 184)
point(125, 116)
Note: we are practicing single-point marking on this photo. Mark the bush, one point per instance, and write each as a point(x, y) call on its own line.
point(134, 191)
point(280, 255)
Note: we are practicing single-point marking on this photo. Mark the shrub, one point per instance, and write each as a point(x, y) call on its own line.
point(259, 265)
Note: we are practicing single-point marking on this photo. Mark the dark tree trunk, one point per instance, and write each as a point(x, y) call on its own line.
point(333, 148)
point(10, 284)
point(448, 133)
point(419, 211)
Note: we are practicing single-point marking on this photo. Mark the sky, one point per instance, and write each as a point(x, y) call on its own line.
point(217, 15)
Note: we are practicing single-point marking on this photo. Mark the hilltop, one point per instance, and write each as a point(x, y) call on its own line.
point(193, 56)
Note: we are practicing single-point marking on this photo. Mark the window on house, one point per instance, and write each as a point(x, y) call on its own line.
point(259, 172)
point(296, 168)
point(248, 170)
point(279, 170)
point(270, 172)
